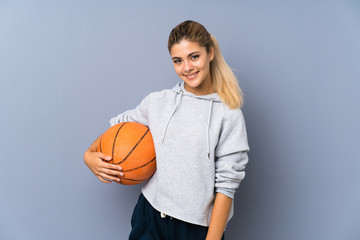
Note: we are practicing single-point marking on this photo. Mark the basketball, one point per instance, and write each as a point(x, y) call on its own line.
point(131, 146)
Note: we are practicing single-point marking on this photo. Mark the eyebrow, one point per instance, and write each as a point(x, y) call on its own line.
point(188, 55)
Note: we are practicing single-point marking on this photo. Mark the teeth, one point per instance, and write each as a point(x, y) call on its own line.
point(191, 75)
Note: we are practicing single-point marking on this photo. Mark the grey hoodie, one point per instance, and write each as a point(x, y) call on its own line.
point(201, 148)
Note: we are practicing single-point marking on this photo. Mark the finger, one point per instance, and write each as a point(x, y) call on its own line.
point(103, 180)
point(112, 172)
point(103, 156)
point(111, 166)
point(110, 177)
point(114, 166)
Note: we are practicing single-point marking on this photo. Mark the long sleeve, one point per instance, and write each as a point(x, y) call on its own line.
point(231, 154)
point(138, 114)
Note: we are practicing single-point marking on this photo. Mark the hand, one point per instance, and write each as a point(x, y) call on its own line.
point(105, 172)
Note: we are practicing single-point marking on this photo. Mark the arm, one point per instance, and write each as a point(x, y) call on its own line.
point(231, 159)
point(219, 217)
point(138, 114)
point(105, 172)
point(231, 154)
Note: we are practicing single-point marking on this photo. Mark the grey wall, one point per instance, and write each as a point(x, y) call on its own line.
point(67, 67)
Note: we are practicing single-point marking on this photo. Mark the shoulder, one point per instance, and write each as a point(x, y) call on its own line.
point(233, 132)
point(233, 115)
point(159, 95)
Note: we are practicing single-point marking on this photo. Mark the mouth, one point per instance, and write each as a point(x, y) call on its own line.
point(191, 76)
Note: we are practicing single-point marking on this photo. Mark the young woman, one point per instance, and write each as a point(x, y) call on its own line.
point(200, 140)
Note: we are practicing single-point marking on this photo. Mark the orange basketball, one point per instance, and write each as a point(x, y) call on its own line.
point(131, 146)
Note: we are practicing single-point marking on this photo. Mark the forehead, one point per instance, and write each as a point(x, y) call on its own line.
point(185, 47)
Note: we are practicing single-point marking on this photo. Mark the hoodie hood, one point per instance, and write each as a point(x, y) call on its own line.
point(180, 87)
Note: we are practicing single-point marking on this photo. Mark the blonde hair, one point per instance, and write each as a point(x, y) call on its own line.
point(222, 77)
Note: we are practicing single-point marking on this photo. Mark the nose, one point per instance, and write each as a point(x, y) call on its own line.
point(188, 66)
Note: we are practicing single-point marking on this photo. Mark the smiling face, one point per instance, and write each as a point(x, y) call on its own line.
point(192, 65)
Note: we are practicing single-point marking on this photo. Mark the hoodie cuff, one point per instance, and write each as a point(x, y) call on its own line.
point(229, 172)
point(226, 192)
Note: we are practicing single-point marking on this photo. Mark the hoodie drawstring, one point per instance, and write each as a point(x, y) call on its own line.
point(208, 124)
point(208, 127)
point(177, 102)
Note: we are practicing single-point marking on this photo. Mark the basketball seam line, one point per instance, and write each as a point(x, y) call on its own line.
point(135, 180)
point(134, 147)
point(140, 166)
point(113, 148)
point(100, 145)
point(138, 180)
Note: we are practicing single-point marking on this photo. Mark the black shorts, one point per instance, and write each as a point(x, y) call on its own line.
point(147, 224)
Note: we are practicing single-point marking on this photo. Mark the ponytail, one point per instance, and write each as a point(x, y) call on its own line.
point(224, 80)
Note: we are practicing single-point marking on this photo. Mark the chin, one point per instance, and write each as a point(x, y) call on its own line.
point(193, 83)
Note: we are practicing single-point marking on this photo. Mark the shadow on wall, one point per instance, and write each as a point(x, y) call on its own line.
point(255, 200)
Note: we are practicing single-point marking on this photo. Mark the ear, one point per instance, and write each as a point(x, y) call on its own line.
point(211, 53)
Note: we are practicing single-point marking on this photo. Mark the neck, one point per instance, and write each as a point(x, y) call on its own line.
point(202, 91)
